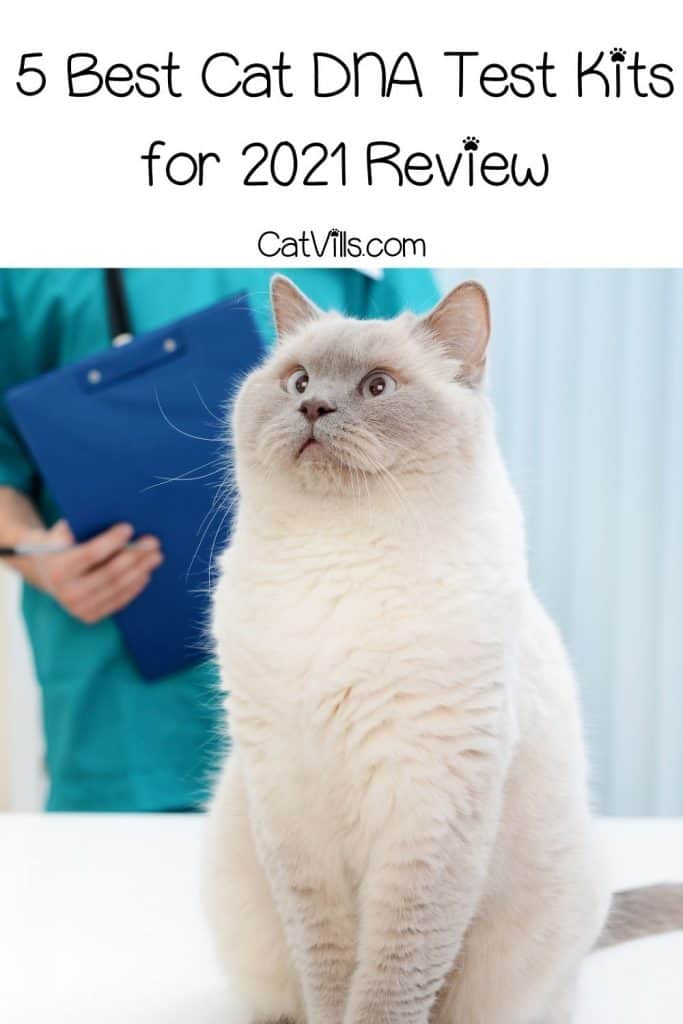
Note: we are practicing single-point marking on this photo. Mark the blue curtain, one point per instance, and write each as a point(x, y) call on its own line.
point(586, 376)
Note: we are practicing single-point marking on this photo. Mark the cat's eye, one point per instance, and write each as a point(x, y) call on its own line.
point(376, 384)
point(297, 382)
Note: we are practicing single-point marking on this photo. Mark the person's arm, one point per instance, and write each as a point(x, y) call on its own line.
point(91, 580)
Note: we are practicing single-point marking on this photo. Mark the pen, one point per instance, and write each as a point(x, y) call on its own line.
point(21, 550)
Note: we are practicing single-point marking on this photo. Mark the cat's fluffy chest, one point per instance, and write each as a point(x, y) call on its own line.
point(315, 630)
point(350, 661)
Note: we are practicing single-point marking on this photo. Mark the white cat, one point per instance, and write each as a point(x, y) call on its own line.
point(402, 832)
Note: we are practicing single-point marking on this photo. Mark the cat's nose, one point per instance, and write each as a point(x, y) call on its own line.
point(314, 408)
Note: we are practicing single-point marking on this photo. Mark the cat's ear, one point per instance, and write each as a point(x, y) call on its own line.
point(461, 325)
point(291, 308)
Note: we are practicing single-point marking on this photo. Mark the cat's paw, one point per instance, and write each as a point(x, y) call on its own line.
point(471, 143)
point(280, 1020)
point(618, 54)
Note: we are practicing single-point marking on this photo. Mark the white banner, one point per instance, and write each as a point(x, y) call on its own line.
point(373, 134)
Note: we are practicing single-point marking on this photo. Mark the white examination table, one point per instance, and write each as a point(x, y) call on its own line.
point(100, 923)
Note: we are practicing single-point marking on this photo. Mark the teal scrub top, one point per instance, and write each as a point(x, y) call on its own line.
point(113, 741)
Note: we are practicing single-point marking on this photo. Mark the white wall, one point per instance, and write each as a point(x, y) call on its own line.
point(586, 376)
point(22, 781)
point(4, 703)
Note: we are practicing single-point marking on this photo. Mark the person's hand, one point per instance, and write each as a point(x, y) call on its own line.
point(97, 578)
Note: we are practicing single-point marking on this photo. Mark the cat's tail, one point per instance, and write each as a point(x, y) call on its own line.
point(635, 913)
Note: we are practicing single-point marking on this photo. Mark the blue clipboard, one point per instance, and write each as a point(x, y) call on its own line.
point(139, 434)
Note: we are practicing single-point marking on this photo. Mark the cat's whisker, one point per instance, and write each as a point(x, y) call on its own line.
point(221, 494)
point(388, 478)
point(217, 508)
point(183, 478)
point(179, 430)
point(216, 535)
point(211, 413)
point(398, 492)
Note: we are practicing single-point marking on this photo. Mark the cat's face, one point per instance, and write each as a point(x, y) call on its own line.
point(343, 404)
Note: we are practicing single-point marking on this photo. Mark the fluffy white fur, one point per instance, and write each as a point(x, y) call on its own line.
point(402, 832)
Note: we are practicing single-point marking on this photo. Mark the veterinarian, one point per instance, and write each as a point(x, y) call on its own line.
point(114, 742)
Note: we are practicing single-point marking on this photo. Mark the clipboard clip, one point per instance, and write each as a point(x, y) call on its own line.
point(127, 361)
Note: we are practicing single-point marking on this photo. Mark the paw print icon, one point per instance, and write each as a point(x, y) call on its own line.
point(618, 55)
point(471, 143)
point(334, 232)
